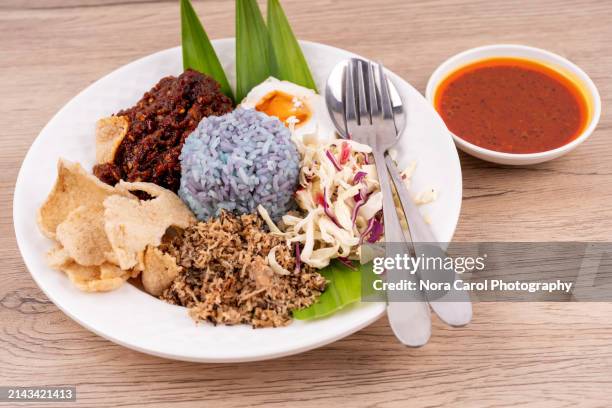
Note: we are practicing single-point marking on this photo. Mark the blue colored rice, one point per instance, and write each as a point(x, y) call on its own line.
point(237, 161)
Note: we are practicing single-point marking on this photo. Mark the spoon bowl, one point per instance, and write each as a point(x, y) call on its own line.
point(333, 98)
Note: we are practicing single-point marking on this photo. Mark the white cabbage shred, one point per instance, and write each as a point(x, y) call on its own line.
point(335, 182)
point(335, 177)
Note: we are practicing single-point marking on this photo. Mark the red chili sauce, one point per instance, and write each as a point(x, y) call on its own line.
point(512, 105)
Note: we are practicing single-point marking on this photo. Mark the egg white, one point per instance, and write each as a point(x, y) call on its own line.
point(318, 125)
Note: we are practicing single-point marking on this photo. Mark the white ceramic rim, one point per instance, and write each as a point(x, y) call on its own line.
point(451, 65)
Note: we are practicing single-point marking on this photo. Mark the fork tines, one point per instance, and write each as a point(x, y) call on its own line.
point(367, 100)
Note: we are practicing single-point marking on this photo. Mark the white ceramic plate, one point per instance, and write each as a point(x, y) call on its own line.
point(136, 320)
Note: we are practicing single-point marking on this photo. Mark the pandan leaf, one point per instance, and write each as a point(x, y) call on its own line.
point(198, 52)
point(253, 53)
point(290, 64)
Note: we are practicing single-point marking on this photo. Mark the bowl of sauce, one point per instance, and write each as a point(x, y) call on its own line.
point(512, 104)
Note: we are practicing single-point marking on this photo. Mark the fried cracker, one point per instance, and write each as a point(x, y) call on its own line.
point(109, 135)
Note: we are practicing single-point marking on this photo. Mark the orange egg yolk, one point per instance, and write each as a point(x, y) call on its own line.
point(283, 106)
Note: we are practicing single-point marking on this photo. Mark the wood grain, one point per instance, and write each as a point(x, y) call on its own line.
point(555, 355)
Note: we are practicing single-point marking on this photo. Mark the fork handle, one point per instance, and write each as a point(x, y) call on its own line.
point(410, 319)
point(393, 227)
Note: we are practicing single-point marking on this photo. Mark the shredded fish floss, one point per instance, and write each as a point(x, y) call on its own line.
point(228, 274)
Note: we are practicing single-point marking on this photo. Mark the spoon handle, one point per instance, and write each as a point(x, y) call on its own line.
point(410, 319)
point(453, 306)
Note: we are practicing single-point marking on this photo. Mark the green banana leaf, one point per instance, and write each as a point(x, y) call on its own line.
point(253, 54)
point(290, 64)
point(344, 287)
point(198, 52)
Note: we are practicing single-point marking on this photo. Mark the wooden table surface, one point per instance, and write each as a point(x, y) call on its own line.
point(553, 355)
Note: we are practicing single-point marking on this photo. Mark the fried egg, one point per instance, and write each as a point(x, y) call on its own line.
point(301, 109)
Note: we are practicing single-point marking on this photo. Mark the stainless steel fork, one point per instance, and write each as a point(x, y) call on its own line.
point(368, 117)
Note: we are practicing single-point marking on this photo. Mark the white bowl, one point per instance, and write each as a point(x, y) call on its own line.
point(548, 58)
